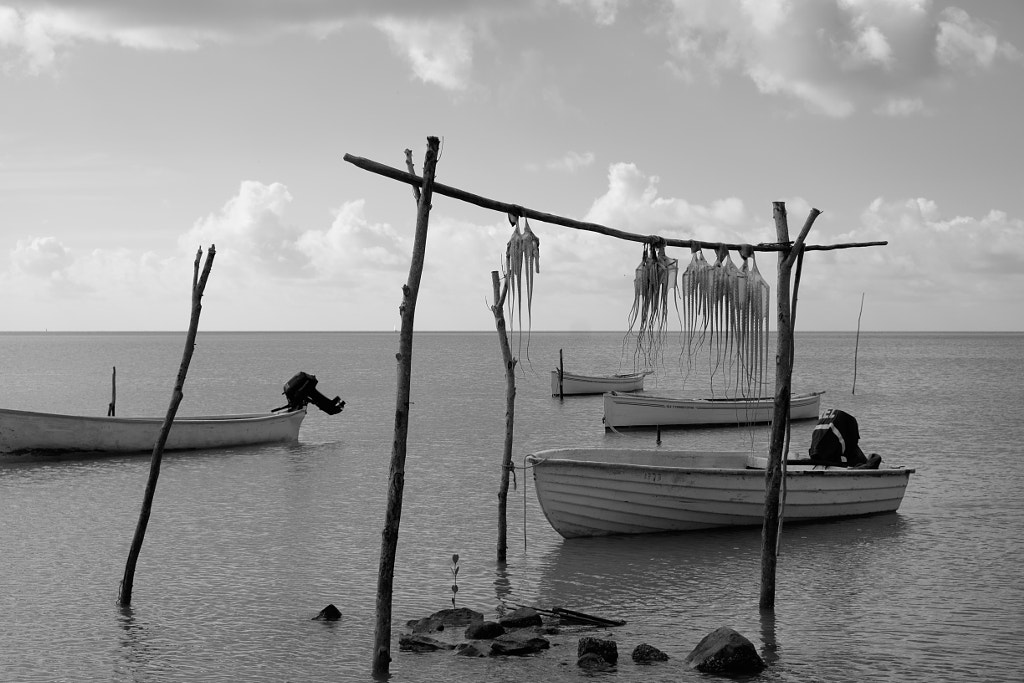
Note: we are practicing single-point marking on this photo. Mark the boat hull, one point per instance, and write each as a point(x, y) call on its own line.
point(573, 384)
point(601, 492)
point(643, 410)
point(24, 431)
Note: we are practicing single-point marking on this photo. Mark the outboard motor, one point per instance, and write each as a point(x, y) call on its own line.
point(835, 440)
point(301, 390)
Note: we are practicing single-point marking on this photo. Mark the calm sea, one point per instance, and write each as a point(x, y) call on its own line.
point(245, 546)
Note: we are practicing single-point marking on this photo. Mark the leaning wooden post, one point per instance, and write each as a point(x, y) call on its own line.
point(510, 412)
point(396, 481)
point(783, 390)
point(198, 285)
point(856, 345)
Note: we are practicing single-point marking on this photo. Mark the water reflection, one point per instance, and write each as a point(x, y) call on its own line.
point(134, 653)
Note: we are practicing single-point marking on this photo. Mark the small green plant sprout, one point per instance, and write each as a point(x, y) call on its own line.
point(455, 577)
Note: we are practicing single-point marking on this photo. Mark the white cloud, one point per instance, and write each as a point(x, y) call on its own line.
point(439, 52)
point(42, 257)
point(570, 162)
point(963, 42)
point(834, 56)
point(901, 107)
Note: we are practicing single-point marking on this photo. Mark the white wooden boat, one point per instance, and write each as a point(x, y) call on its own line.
point(648, 410)
point(24, 431)
point(575, 384)
point(606, 491)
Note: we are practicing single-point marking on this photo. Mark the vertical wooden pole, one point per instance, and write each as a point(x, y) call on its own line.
point(783, 389)
point(510, 412)
point(112, 408)
point(856, 344)
point(396, 480)
point(561, 376)
point(198, 285)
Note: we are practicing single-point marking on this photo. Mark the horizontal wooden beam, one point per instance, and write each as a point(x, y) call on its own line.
point(517, 210)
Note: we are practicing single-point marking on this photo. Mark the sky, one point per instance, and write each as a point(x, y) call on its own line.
point(134, 133)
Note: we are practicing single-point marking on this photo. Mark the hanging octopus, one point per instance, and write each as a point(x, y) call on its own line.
point(522, 250)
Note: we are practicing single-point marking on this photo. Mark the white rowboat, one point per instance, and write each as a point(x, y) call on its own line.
point(574, 384)
point(606, 491)
point(646, 410)
point(25, 431)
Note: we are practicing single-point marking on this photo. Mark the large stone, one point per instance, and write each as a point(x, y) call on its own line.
point(605, 649)
point(484, 630)
point(521, 618)
point(645, 654)
point(518, 643)
point(724, 651)
point(421, 643)
point(445, 619)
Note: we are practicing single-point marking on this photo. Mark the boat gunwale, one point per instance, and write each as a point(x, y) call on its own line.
point(535, 459)
point(192, 419)
point(641, 396)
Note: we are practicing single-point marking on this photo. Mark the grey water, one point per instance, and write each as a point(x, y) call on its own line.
point(246, 545)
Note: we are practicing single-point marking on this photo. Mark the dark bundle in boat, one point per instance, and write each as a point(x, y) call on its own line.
point(301, 391)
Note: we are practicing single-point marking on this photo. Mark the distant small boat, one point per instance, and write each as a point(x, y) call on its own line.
point(575, 384)
point(607, 491)
point(23, 431)
point(647, 410)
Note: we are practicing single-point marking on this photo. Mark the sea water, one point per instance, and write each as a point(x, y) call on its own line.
point(246, 545)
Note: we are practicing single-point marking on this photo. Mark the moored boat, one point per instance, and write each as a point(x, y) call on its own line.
point(607, 491)
point(571, 384)
point(28, 432)
point(649, 410)
point(24, 431)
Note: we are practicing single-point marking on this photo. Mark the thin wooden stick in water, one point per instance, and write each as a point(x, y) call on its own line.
point(396, 476)
point(510, 411)
point(113, 393)
point(198, 285)
point(856, 345)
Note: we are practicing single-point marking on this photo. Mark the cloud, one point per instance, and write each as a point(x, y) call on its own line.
point(832, 57)
point(436, 40)
point(43, 257)
point(570, 162)
point(439, 52)
point(632, 203)
point(835, 57)
point(965, 43)
point(270, 273)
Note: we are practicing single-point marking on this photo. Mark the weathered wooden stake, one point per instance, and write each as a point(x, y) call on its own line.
point(783, 389)
point(111, 409)
point(198, 285)
point(510, 412)
point(561, 377)
point(396, 481)
point(856, 344)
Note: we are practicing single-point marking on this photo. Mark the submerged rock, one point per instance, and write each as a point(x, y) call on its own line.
point(484, 630)
point(521, 618)
point(473, 650)
point(518, 643)
point(724, 651)
point(446, 618)
point(329, 613)
point(591, 661)
point(422, 643)
point(645, 654)
point(605, 649)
